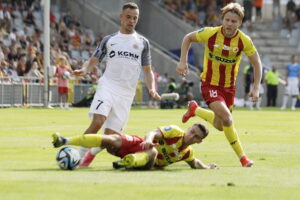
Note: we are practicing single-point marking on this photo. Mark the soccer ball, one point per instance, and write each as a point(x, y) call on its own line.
point(67, 158)
point(66, 75)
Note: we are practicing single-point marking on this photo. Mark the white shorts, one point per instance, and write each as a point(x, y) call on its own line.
point(292, 87)
point(116, 108)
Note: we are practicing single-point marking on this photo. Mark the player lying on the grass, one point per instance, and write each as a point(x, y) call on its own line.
point(159, 148)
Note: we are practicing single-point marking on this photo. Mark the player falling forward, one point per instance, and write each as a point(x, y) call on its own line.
point(223, 52)
point(160, 148)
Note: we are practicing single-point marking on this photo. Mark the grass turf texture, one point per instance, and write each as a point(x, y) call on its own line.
point(28, 169)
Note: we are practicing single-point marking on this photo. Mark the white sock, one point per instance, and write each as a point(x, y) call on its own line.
point(251, 105)
point(285, 100)
point(82, 151)
point(96, 150)
point(258, 103)
point(294, 101)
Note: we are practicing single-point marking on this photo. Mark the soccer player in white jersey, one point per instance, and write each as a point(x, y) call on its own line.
point(127, 53)
point(292, 83)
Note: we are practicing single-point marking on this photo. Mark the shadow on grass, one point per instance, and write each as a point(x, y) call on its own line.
point(94, 169)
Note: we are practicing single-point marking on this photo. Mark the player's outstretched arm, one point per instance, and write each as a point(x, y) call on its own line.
point(256, 62)
point(149, 78)
point(182, 67)
point(148, 142)
point(198, 164)
point(87, 66)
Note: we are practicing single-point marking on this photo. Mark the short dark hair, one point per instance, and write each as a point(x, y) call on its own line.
point(203, 129)
point(130, 5)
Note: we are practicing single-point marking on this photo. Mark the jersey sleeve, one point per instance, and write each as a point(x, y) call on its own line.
point(191, 155)
point(101, 50)
point(203, 33)
point(249, 48)
point(146, 54)
point(171, 131)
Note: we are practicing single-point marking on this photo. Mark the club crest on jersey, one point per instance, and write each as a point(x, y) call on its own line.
point(225, 47)
point(135, 46)
point(167, 128)
point(201, 30)
point(235, 49)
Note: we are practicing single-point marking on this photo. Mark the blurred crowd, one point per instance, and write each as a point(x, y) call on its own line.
point(21, 41)
point(207, 12)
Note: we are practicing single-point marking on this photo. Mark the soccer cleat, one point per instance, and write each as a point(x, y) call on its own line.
point(246, 162)
point(58, 140)
point(118, 164)
point(128, 162)
point(190, 112)
point(87, 159)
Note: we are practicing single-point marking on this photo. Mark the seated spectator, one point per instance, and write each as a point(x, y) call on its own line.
point(35, 73)
point(29, 18)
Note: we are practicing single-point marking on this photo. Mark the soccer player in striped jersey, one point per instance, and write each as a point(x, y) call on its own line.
point(222, 55)
point(160, 148)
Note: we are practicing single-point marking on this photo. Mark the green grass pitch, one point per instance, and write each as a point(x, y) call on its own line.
point(28, 169)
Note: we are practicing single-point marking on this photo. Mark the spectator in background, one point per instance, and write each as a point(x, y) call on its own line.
point(276, 9)
point(258, 4)
point(185, 92)
point(290, 14)
point(62, 82)
point(248, 76)
point(29, 18)
point(35, 72)
point(248, 10)
point(272, 80)
point(171, 87)
point(292, 83)
point(21, 66)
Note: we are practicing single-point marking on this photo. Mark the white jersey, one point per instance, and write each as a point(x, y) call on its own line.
point(125, 56)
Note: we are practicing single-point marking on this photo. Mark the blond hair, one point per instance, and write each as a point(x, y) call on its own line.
point(234, 8)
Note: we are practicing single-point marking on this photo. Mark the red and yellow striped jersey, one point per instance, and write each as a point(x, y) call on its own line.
point(170, 147)
point(222, 55)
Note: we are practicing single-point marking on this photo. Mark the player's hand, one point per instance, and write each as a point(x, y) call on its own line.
point(254, 94)
point(147, 145)
point(78, 72)
point(182, 69)
point(154, 94)
point(213, 166)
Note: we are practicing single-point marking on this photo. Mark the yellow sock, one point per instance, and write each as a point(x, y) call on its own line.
point(136, 160)
point(86, 140)
point(205, 114)
point(233, 139)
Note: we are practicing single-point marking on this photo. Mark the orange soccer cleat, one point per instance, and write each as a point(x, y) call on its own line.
point(246, 162)
point(190, 112)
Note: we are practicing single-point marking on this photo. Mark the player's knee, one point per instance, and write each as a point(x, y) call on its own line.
point(227, 120)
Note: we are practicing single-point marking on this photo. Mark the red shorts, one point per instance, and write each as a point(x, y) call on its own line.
point(63, 90)
point(213, 93)
point(130, 144)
